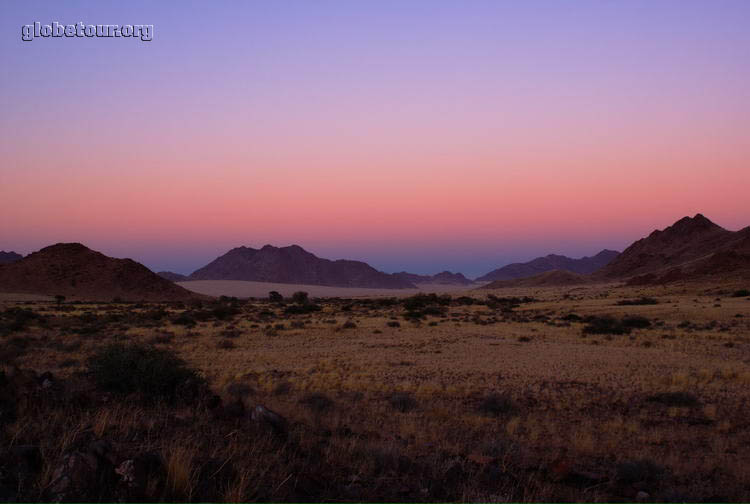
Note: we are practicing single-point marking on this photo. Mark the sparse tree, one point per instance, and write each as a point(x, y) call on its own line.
point(275, 297)
point(300, 297)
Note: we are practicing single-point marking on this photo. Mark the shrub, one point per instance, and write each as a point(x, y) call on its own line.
point(402, 401)
point(636, 322)
point(636, 302)
point(349, 325)
point(420, 301)
point(275, 297)
point(393, 323)
point(184, 319)
point(301, 309)
point(741, 293)
point(635, 471)
point(496, 405)
point(300, 297)
point(674, 399)
point(605, 325)
point(142, 369)
point(317, 401)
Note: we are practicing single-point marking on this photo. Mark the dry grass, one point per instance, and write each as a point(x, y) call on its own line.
point(587, 395)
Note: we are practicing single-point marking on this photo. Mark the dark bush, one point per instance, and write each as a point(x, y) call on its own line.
point(605, 325)
point(349, 325)
point(741, 293)
point(275, 297)
point(402, 401)
point(300, 297)
point(496, 405)
point(317, 401)
point(637, 302)
point(393, 323)
point(465, 301)
point(184, 319)
point(674, 399)
point(301, 309)
point(572, 317)
point(142, 369)
point(636, 471)
point(636, 322)
point(420, 301)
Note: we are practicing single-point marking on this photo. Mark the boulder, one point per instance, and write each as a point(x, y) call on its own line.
point(84, 475)
point(270, 420)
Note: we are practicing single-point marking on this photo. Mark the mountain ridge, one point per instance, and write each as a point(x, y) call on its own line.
point(550, 262)
point(295, 265)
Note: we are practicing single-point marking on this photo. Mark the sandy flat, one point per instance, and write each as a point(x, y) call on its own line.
point(10, 296)
point(245, 289)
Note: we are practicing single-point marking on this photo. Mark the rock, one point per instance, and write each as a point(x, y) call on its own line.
point(135, 473)
point(642, 496)
point(269, 419)
point(84, 475)
point(46, 380)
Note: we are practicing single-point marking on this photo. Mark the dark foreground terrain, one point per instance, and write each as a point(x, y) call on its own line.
point(595, 393)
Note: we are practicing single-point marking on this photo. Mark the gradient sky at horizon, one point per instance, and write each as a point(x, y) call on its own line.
point(418, 136)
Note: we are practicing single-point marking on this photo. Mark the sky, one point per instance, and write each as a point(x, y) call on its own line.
point(418, 136)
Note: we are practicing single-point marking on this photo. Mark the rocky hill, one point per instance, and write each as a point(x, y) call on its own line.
point(691, 247)
point(295, 265)
point(582, 266)
point(443, 278)
point(9, 257)
point(77, 272)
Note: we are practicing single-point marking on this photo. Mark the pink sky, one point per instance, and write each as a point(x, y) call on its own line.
point(476, 138)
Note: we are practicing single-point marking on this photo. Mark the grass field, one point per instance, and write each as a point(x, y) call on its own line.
point(593, 393)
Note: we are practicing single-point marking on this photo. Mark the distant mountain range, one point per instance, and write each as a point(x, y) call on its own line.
point(9, 257)
point(295, 265)
point(551, 262)
point(444, 278)
point(692, 248)
point(75, 271)
point(547, 279)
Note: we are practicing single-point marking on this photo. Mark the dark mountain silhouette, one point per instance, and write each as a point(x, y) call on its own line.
point(546, 279)
point(172, 277)
point(77, 272)
point(551, 262)
point(444, 278)
point(691, 247)
point(295, 265)
point(9, 257)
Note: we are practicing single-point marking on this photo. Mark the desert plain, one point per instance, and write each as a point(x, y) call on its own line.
point(588, 393)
